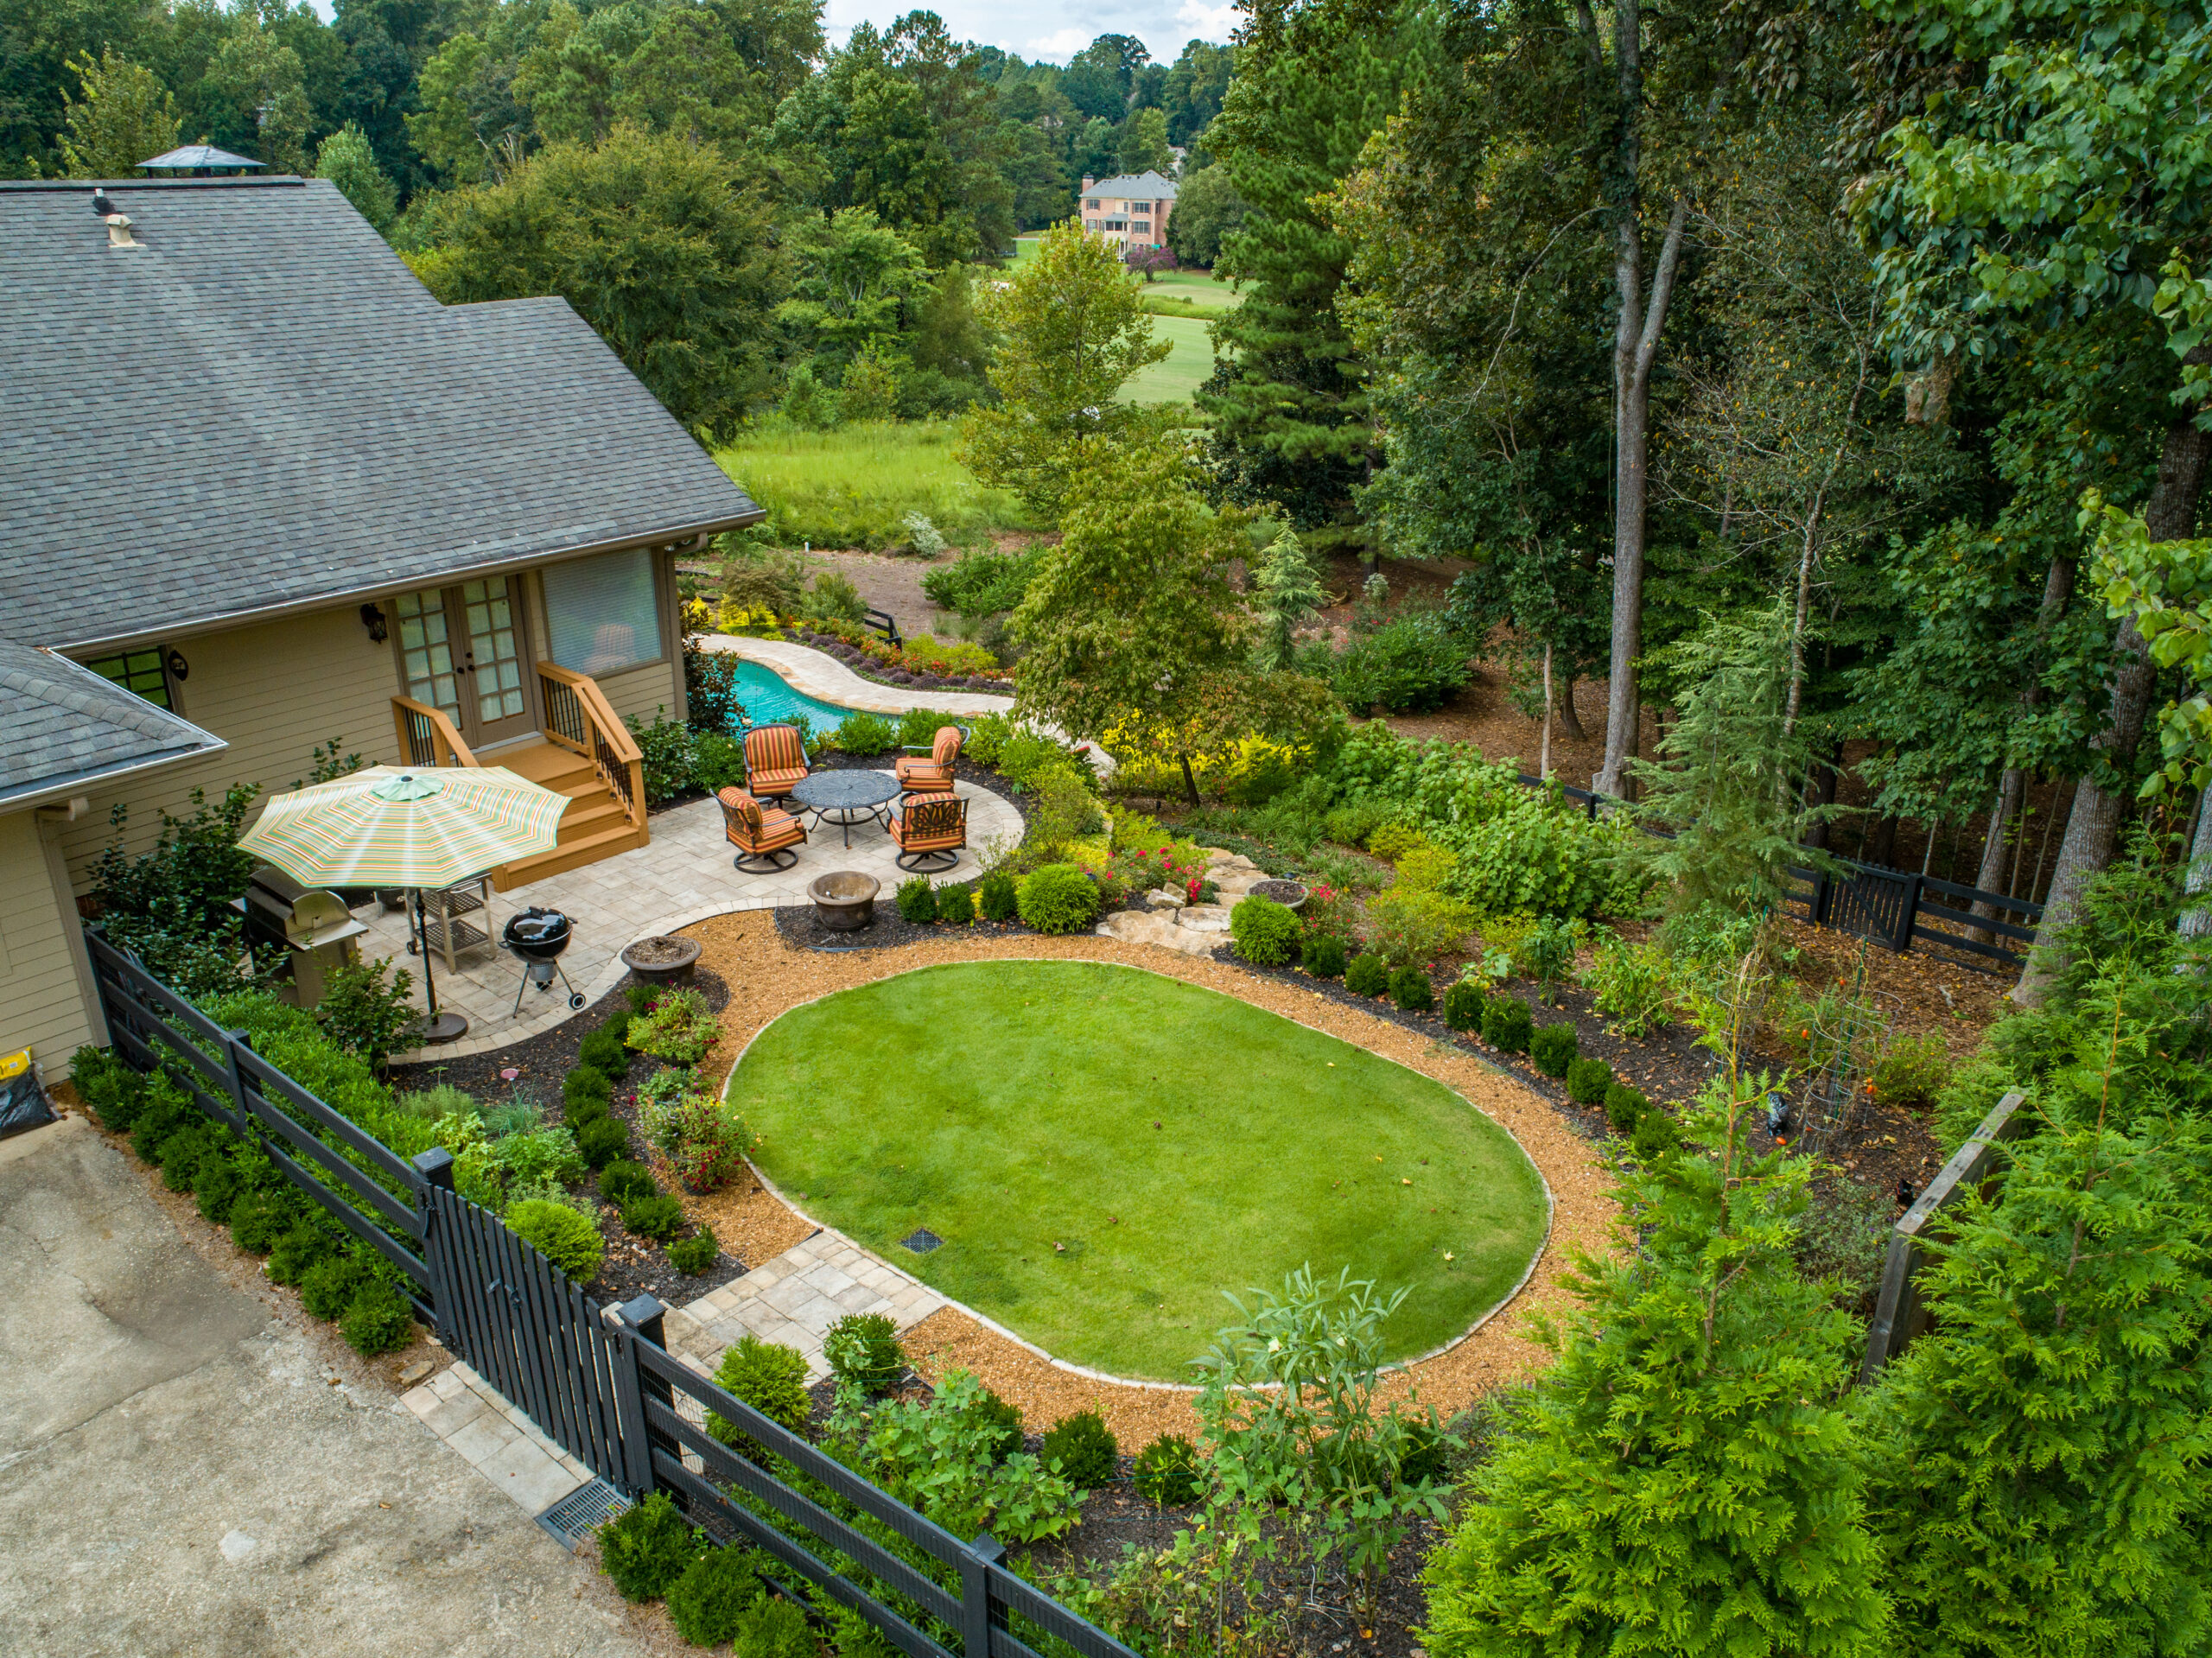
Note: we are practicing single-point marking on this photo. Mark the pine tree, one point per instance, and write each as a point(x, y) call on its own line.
point(1682, 1482)
point(1291, 421)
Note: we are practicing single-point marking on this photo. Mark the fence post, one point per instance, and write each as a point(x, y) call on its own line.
point(434, 1170)
point(638, 1320)
point(977, 1559)
point(1902, 941)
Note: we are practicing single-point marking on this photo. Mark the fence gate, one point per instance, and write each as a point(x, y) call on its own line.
point(1868, 903)
point(534, 1336)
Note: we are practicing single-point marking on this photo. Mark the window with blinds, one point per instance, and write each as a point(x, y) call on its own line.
point(602, 614)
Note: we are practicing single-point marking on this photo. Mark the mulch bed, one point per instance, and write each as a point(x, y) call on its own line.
point(1882, 1145)
point(634, 1266)
point(802, 928)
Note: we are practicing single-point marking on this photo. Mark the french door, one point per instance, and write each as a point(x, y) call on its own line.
point(464, 650)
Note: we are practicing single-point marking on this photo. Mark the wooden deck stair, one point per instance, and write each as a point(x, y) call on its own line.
point(594, 827)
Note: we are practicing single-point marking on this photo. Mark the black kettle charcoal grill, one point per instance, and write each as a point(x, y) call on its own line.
point(538, 937)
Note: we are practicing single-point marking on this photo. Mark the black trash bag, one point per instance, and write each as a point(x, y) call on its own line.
point(23, 1103)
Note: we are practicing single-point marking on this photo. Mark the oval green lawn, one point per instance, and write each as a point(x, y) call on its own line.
point(1174, 1142)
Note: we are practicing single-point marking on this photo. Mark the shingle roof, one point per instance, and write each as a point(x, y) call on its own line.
point(260, 407)
point(61, 725)
point(1146, 184)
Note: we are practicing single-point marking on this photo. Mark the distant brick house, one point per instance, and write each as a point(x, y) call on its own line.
point(1130, 211)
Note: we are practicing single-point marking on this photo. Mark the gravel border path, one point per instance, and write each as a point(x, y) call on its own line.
point(767, 977)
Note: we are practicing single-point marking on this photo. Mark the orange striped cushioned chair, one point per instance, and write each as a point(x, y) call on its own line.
point(931, 776)
point(762, 835)
point(930, 830)
point(775, 761)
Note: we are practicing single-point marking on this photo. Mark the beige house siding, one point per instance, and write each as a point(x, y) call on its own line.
point(272, 692)
point(42, 990)
point(275, 691)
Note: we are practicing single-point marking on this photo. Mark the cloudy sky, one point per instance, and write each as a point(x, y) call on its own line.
point(1054, 30)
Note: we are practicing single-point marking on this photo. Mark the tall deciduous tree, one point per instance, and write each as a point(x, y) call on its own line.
point(653, 241)
point(122, 115)
point(346, 161)
point(1132, 621)
point(1682, 1482)
point(2076, 167)
point(1075, 330)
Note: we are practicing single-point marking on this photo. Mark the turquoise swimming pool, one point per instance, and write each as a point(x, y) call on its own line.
point(768, 697)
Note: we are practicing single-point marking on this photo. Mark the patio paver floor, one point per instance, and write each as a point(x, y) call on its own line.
point(683, 875)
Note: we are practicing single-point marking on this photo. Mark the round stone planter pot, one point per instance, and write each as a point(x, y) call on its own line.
point(662, 960)
point(1291, 894)
point(844, 899)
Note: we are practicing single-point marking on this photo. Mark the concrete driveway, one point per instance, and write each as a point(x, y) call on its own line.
point(183, 1472)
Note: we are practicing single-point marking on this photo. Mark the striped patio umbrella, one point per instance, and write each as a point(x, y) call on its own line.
point(421, 830)
point(385, 827)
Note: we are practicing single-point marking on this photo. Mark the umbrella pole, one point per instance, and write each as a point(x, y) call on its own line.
point(437, 1028)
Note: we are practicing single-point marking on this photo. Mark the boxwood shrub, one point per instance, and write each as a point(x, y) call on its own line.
point(1083, 1444)
point(646, 1549)
point(998, 896)
point(1624, 1107)
point(1463, 1006)
point(709, 1604)
point(602, 1139)
point(917, 900)
point(657, 1215)
point(1553, 1048)
point(1655, 1135)
point(767, 1376)
point(562, 1237)
point(624, 1179)
point(955, 903)
point(1367, 975)
point(604, 1052)
point(1324, 954)
point(1587, 1081)
point(1057, 898)
point(1506, 1024)
point(1264, 931)
point(1411, 990)
point(696, 1255)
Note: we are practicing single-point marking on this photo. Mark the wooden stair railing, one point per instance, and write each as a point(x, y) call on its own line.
point(426, 735)
point(577, 717)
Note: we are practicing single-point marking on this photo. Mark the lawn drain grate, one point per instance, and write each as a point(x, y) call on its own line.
point(575, 1517)
point(922, 1242)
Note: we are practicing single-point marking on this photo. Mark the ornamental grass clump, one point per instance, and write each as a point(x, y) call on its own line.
point(1552, 1049)
point(1265, 932)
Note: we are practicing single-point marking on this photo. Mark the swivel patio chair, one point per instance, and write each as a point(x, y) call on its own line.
point(931, 774)
point(775, 761)
point(764, 836)
point(930, 831)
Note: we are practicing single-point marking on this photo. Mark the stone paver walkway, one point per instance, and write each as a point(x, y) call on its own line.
point(493, 1437)
point(683, 875)
point(793, 1300)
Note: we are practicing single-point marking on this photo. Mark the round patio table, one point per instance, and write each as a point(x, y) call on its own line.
point(845, 797)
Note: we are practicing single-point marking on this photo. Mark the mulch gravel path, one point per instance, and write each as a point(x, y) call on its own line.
point(767, 974)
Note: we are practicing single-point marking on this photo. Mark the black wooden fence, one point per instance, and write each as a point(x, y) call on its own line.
point(598, 1381)
point(1892, 907)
